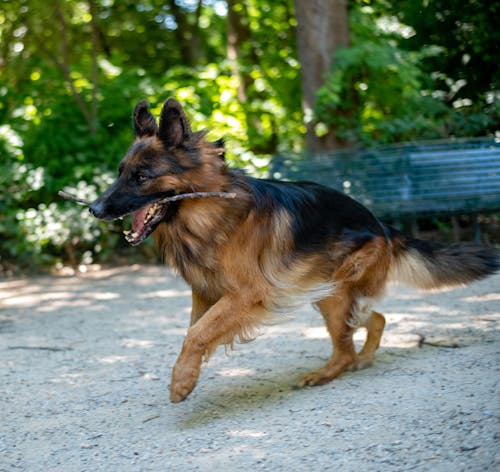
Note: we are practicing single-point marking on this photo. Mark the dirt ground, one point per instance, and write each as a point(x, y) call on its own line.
point(85, 364)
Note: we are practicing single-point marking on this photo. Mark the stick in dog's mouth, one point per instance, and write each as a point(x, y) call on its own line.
point(68, 196)
point(147, 218)
point(181, 196)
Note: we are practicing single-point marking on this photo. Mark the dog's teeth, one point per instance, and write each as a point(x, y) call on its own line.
point(151, 211)
point(131, 236)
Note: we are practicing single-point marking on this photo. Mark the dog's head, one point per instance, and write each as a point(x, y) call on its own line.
point(164, 160)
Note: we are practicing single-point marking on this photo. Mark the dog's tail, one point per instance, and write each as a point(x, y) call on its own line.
point(431, 265)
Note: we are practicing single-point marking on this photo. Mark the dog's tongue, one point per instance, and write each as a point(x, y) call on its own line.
point(138, 218)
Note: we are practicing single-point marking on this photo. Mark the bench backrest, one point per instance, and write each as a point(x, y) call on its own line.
point(430, 178)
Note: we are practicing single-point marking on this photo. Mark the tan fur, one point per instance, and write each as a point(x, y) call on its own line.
point(409, 268)
point(246, 259)
point(244, 271)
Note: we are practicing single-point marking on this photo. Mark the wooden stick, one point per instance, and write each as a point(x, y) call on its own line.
point(183, 196)
point(174, 198)
point(68, 196)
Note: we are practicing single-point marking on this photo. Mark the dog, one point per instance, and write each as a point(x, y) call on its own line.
point(276, 245)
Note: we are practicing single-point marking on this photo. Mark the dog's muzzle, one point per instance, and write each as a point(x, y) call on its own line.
point(97, 209)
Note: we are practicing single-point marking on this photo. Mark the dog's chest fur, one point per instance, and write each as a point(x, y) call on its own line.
point(191, 242)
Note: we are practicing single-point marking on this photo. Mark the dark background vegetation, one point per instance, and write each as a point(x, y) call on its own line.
point(71, 72)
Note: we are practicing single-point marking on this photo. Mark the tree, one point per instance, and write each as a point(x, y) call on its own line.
point(322, 28)
point(72, 70)
point(469, 49)
point(239, 37)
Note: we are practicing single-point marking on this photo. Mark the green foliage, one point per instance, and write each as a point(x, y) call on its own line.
point(374, 92)
point(382, 89)
point(36, 230)
point(73, 70)
point(467, 33)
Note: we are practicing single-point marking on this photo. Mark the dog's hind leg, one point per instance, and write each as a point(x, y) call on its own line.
point(375, 327)
point(336, 311)
point(360, 280)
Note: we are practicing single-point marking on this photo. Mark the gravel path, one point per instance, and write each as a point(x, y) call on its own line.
point(85, 365)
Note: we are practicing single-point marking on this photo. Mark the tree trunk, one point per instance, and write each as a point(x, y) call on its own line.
point(187, 34)
point(95, 66)
point(239, 36)
point(89, 114)
point(322, 26)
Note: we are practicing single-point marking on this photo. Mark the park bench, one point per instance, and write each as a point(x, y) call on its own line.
point(411, 181)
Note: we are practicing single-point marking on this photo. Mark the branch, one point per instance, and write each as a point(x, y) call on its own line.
point(67, 196)
point(182, 196)
point(423, 341)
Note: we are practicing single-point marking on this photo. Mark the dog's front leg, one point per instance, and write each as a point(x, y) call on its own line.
point(200, 305)
point(223, 320)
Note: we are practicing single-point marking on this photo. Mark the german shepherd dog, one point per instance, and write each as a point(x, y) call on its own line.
point(276, 245)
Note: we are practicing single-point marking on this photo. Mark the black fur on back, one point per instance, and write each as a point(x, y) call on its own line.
point(319, 214)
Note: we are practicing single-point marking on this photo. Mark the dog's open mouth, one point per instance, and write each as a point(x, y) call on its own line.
point(144, 222)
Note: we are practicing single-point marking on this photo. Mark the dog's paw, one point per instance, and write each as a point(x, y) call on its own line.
point(184, 380)
point(363, 362)
point(179, 392)
point(316, 377)
point(329, 371)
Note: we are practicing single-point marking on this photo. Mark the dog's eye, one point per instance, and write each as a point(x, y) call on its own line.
point(141, 178)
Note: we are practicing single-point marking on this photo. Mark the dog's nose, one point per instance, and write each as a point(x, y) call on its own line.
point(96, 209)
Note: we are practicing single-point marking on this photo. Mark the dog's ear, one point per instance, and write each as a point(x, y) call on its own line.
point(144, 122)
point(219, 144)
point(174, 125)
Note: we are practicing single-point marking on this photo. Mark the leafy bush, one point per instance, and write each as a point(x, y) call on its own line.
point(374, 93)
point(53, 149)
point(380, 91)
point(62, 59)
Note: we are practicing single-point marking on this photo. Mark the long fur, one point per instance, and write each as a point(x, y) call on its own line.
point(278, 244)
point(431, 265)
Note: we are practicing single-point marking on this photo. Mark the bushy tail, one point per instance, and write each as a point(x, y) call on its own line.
point(431, 265)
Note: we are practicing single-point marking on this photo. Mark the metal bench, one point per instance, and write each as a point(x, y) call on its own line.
point(407, 182)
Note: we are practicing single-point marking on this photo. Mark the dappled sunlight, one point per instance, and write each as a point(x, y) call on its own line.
point(43, 300)
point(11, 284)
point(98, 296)
point(393, 317)
point(285, 327)
point(181, 331)
point(35, 298)
point(319, 332)
point(430, 309)
point(114, 359)
point(247, 433)
point(486, 297)
point(141, 343)
point(236, 372)
point(69, 379)
point(393, 340)
point(409, 323)
point(169, 293)
point(111, 272)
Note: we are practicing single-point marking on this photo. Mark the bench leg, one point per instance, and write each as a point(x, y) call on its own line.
point(477, 227)
point(456, 228)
